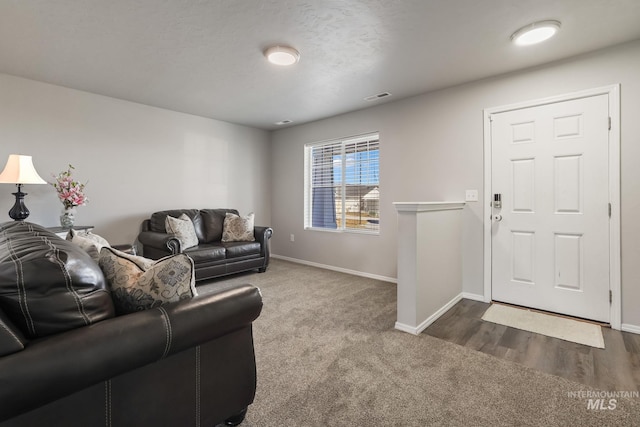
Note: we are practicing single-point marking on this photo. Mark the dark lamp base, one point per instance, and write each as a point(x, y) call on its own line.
point(19, 211)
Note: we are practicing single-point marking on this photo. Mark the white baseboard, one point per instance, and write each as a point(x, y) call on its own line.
point(429, 320)
point(474, 297)
point(338, 269)
point(406, 328)
point(626, 327)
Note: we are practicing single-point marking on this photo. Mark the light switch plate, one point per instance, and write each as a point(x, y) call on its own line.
point(471, 196)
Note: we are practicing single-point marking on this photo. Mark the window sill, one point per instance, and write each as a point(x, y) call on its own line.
point(340, 231)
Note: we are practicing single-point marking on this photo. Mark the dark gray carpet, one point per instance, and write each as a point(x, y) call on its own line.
point(328, 355)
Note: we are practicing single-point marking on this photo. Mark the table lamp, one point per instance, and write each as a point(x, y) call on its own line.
point(19, 170)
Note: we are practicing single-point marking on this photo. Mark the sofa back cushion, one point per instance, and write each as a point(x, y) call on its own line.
point(213, 221)
point(157, 220)
point(47, 284)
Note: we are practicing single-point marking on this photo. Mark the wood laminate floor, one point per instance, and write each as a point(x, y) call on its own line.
point(614, 368)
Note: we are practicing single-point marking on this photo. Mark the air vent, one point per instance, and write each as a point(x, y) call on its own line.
point(377, 96)
point(283, 122)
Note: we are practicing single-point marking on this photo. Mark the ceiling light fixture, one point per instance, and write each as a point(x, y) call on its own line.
point(282, 55)
point(535, 33)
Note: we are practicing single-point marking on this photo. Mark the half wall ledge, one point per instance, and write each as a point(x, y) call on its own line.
point(429, 262)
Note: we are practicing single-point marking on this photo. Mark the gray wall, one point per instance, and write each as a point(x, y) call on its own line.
point(135, 159)
point(138, 159)
point(432, 149)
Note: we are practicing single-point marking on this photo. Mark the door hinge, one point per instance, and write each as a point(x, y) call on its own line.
point(609, 123)
point(610, 297)
point(609, 210)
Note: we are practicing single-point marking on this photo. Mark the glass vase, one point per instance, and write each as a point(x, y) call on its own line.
point(68, 217)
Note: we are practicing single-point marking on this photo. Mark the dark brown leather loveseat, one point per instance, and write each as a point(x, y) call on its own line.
point(67, 360)
point(212, 257)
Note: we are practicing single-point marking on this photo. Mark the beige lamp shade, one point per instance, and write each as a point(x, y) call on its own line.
point(19, 170)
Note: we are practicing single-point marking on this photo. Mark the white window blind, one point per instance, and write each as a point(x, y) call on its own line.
point(342, 184)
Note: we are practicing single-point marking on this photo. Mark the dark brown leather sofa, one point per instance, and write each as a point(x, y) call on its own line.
point(67, 360)
point(212, 257)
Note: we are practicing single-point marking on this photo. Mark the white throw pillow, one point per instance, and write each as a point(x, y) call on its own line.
point(182, 228)
point(237, 228)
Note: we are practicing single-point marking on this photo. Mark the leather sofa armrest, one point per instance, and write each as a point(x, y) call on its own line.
point(213, 314)
point(160, 241)
point(59, 365)
point(262, 235)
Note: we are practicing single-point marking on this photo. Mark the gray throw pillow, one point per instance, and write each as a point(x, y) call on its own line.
point(139, 283)
point(237, 228)
point(182, 228)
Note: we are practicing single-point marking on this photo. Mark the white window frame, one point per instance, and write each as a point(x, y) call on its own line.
point(340, 222)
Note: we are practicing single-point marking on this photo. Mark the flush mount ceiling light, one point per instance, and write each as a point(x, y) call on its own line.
point(282, 55)
point(535, 33)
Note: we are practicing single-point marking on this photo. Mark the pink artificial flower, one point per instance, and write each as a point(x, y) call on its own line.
point(70, 192)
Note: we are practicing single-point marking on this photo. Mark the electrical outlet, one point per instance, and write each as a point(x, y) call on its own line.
point(471, 196)
point(292, 238)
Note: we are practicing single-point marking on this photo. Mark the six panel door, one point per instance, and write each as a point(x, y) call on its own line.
point(550, 249)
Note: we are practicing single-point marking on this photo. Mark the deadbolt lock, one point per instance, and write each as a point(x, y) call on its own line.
point(497, 201)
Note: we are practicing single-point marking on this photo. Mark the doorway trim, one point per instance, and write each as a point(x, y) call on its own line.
point(613, 92)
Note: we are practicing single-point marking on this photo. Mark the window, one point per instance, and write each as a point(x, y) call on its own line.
point(342, 184)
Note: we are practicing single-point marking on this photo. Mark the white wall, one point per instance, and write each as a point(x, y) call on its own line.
point(432, 149)
point(135, 159)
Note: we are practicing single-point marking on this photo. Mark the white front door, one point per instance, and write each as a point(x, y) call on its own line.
point(550, 238)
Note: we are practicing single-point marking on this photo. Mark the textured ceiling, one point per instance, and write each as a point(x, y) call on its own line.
point(205, 57)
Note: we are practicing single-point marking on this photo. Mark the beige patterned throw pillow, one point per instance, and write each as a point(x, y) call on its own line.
point(91, 243)
point(182, 228)
point(139, 283)
point(237, 228)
